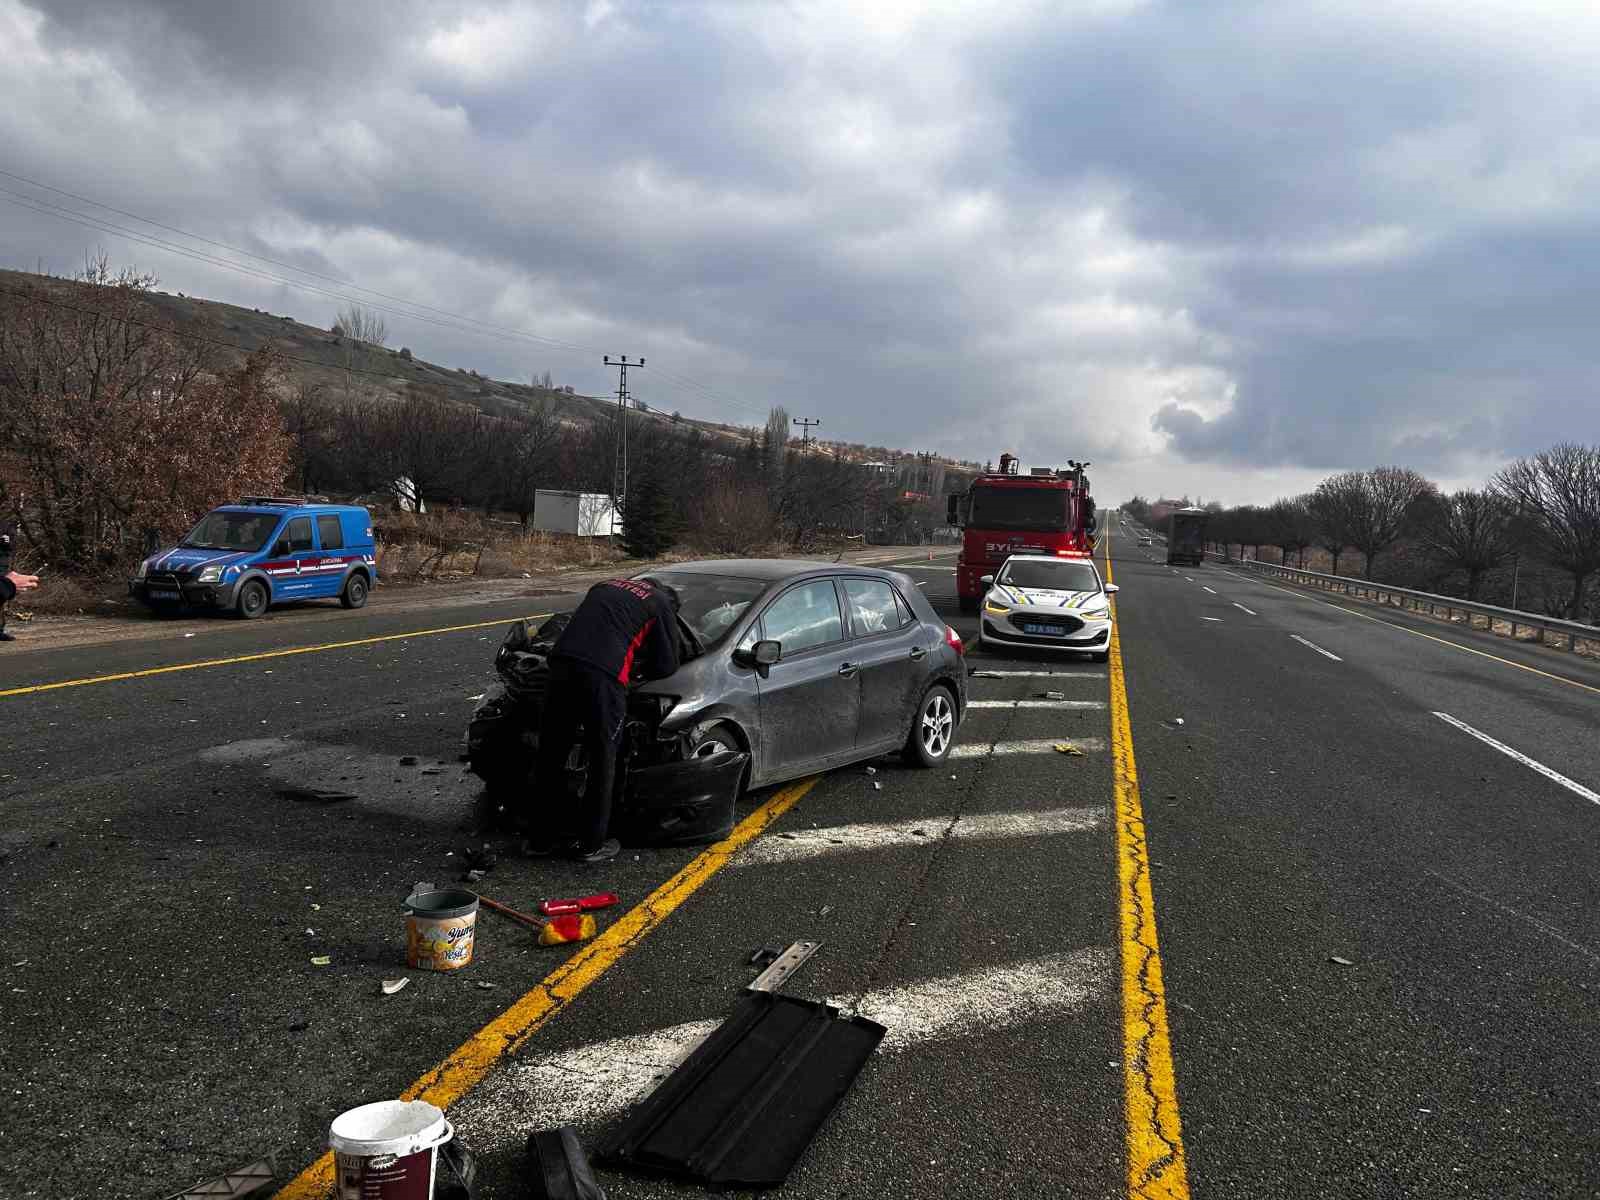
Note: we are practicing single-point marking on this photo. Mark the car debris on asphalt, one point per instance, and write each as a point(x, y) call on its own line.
point(1068, 748)
point(241, 1181)
point(391, 986)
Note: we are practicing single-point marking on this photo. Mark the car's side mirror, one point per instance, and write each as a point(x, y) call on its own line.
point(987, 581)
point(1113, 588)
point(767, 653)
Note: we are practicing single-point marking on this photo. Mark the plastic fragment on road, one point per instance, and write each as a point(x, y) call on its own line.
point(783, 966)
point(241, 1181)
point(1343, 962)
point(1068, 748)
point(558, 1168)
point(870, 771)
point(409, 760)
point(321, 960)
point(484, 985)
point(1050, 695)
point(391, 986)
point(741, 1109)
point(876, 786)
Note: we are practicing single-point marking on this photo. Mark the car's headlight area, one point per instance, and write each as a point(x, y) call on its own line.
point(143, 569)
point(210, 574)
point(994, 606)
point(1095, 614)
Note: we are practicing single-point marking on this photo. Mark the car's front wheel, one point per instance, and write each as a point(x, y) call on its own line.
point(252, 600)
point(719, 737)
point(933, 729)
point(355, 591)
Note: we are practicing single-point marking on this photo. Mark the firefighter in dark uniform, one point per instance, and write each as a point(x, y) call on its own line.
point(10, 582)
point(624, 632)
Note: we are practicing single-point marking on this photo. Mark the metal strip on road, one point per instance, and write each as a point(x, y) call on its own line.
point(845, 839)
point(451, 1079)
point(1504, 662)
point(258, 657)
point(1532, 763)
point(1157, 1167)
point(1317, 648)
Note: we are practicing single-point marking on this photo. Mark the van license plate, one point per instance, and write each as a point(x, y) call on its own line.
point(1045, 630)
point(157, 594)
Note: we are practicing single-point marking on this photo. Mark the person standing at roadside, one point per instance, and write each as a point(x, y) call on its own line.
point(10, 582)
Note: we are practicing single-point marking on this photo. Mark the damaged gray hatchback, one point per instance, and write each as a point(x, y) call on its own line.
point(788, 668)
point(808, 666)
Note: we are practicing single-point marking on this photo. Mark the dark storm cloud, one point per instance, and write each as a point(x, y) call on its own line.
point(1243, 243)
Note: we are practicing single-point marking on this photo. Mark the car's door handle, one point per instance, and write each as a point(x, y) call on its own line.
point(847, 669)
point(917, 652)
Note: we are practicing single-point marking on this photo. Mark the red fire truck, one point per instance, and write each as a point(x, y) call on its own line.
point(1047, 511)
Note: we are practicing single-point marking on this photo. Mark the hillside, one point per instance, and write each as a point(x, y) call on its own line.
point(340, 366)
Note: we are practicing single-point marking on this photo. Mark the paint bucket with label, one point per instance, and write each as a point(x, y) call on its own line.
point(388, 1150)
point(439, 927)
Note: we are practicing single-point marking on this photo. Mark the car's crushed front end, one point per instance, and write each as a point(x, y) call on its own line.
point(668, 794)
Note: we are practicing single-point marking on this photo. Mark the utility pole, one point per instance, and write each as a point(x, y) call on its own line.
point(619, 469)
point(806, 427)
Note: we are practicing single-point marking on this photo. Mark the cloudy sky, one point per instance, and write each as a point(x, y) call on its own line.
point(1222, 247)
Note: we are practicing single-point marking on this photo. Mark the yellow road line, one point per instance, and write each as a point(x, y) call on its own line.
point(1354, 612)
point(265, 654)
point(1157, 1169)
point(453, 1078)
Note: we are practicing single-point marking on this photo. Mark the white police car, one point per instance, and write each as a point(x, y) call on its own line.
point(1037, 601)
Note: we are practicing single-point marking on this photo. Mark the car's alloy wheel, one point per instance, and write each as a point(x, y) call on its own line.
point(935, 726)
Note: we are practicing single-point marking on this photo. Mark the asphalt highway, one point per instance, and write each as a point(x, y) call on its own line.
point(1378, 941)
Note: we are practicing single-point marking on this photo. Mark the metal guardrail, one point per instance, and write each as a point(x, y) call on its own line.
point(1569, 632)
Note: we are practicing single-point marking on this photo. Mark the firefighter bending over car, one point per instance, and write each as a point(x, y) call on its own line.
point(624, 632)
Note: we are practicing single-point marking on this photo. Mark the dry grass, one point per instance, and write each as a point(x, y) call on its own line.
point(66, 596)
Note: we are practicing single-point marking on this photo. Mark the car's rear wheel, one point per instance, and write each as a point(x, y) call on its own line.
point(355, 591)
point(252, 601)
point(933, 729)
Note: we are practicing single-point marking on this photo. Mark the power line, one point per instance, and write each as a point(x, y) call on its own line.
point(411, 310)
point(619, 469)
point(805, 428)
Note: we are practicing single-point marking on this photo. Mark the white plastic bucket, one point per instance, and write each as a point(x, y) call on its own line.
point(388, 1150)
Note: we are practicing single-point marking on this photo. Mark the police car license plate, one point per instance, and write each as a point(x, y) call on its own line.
point(161, 594)
point(1045, 630)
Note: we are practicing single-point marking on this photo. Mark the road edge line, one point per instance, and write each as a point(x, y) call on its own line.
point(286, 652)
point(450, 1080)
point(1157, 1167)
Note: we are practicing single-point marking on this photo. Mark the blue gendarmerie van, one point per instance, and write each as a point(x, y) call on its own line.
point(262, 551)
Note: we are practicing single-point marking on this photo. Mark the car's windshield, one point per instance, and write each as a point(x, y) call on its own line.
point(711, 603)
point(1038, 509)
point(1061, 576)
point(231, 531)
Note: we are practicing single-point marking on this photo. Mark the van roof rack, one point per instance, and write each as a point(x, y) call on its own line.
point(291, 501)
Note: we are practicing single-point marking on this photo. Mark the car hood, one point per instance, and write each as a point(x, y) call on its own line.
point(1021, 597)
point(192, 559)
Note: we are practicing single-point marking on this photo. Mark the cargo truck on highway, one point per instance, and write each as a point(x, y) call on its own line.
point(1047, 511)
point(1186, 537)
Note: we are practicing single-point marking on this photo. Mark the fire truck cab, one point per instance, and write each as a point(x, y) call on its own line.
point(1004, 512)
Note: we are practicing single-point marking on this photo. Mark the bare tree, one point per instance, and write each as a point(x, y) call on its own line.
point(1391, 498)
point(308, 420)
point(776, 441)
point(1292, 527)
point(524, 456)
point(1557, 495)
point(1334, 509)
point(121, 425)
point(361, 324)
point(1468, 531)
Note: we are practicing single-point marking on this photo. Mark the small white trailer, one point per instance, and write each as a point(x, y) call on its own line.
point(586, 514)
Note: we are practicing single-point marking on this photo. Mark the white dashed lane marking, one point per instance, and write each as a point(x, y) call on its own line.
point(1242, 608)
point(1036, 704)
point(1533, 763)
point(591, 1084)
point(1317, 648)
point(842, 839)
point(1027, 746)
